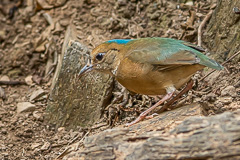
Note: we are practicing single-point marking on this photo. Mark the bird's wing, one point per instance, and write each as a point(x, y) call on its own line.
point(198, 48)
point(168, 52)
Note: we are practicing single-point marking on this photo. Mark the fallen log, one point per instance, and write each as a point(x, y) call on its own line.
point(215, 137)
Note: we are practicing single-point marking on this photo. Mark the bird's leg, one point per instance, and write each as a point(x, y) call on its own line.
point(185, 89)
point(170, 92)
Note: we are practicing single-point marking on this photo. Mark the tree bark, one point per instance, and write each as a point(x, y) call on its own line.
point(216, 137)
point(76, 101)
point(222, 36)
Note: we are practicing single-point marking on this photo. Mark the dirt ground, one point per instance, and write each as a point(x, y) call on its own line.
point(31, 36)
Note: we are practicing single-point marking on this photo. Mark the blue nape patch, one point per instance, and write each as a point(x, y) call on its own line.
point(119, 41)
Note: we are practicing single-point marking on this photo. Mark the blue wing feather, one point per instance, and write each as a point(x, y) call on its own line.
point(119, 41)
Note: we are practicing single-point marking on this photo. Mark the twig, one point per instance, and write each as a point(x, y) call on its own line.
point(233, 56)
point(84, 137)
point(68, 147)
point(12, 83)
point(202, 25)
point(63, 153)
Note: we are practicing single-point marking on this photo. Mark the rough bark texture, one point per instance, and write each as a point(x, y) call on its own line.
point(76, 101)
point(223, 32)
point(216, 137)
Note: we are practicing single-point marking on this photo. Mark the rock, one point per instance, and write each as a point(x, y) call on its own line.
point(229, 91)
point(189, 3)
point(35, 145)
point(45, 146)
point(29, 80)
point(15, 95)
point(64, 22)
point(3, 35)
point(37, 94)
point(25, 107)
point(60, 129)
point(4, 78)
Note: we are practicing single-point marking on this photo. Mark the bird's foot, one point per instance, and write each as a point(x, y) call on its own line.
point(144, 114)
point(140, 118)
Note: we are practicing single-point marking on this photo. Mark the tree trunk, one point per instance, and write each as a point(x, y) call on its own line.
point(76, 101)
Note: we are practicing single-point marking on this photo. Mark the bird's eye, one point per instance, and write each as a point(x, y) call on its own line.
point(99, 56)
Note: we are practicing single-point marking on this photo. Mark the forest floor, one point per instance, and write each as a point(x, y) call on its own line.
point(31, 37)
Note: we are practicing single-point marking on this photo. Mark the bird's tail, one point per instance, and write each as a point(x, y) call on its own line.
point(211, 63)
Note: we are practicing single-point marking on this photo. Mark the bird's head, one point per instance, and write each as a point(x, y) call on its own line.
point(105, 57)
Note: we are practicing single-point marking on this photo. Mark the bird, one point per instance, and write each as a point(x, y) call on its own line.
point(150, 66)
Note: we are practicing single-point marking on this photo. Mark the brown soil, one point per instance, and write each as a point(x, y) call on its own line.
point(29, 43)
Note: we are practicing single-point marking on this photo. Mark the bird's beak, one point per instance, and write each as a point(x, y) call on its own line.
point(87, 68)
